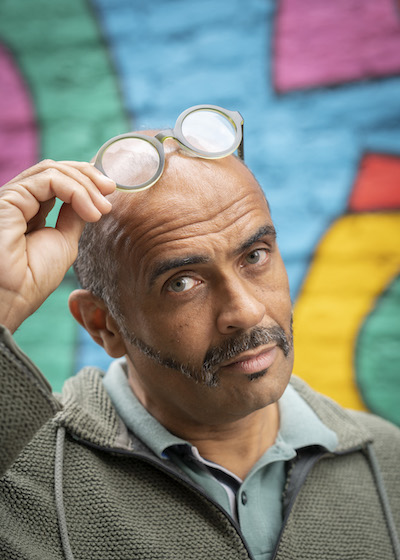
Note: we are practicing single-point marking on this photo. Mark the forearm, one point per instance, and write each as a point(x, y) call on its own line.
point(26, 401)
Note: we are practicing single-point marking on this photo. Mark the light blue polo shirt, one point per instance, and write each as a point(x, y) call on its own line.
point(256, 501)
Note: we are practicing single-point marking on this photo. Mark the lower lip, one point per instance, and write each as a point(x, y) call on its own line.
point(254, 364)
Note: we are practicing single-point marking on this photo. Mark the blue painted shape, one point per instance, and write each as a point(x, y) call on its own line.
point(87, 352)
point(304, 147)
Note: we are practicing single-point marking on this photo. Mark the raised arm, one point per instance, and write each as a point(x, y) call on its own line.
point(33, 262)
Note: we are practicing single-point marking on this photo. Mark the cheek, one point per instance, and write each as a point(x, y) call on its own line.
point(184, 333)
point(179, 334)
point(280, 304)
point(190, 334)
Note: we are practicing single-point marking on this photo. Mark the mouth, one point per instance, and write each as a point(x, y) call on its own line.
point(253, 361)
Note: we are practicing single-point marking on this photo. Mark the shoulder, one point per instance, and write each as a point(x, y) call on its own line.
point(353, 427)
point(377, 426)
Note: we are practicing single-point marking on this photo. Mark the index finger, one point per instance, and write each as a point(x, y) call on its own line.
point(104, 183)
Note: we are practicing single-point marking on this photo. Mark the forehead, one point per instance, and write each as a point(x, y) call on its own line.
point(198, 205)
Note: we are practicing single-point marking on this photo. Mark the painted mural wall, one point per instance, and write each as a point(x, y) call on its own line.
point(318, 85)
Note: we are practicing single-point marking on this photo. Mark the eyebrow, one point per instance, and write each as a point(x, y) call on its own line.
point(178, 262)
point(170, 264)
point(263, 231)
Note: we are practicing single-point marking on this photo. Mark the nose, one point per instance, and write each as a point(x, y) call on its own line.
point(238, 307)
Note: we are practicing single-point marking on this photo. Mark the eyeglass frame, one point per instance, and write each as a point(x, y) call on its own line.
point(158, 139)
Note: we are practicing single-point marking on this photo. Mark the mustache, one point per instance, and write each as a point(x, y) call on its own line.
point(207, 374)
point(258, 336)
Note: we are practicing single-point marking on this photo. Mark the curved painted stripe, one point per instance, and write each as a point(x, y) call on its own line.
point(18, 132)
point(355, 261)
point(61, 52)
point(378, 356)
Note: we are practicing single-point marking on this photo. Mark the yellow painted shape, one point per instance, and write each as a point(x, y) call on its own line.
point(355, 261)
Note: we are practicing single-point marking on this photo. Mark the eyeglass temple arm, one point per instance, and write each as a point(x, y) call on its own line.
point(240, 149)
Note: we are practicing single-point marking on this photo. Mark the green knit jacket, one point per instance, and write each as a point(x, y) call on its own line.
point(77, 485)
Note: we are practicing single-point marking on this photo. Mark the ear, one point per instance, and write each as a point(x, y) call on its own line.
point(91, 312)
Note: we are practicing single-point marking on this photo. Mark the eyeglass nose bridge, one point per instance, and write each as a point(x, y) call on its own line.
point(177, 136)
point(168, 134)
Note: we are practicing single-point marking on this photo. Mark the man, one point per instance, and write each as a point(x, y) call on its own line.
point(193, 445)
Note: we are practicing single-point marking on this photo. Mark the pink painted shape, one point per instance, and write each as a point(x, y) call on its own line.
point(319, 42)
point(18, 132)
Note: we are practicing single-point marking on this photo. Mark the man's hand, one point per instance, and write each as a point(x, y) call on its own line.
point(35, 258)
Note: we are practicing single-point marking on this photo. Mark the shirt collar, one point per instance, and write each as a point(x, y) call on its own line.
point(299, 426)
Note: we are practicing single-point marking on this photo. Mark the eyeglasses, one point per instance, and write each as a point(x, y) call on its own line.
point(136, 161)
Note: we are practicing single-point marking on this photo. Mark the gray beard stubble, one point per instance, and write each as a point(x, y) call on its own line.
point(208, 373)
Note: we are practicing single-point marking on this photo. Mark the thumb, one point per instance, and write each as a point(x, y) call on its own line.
point(70, 225)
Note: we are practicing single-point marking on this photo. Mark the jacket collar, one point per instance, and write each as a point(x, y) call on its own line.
point(88, 413)
point(345, 423)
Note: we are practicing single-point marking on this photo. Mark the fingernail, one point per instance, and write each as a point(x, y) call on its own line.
point(109, 180)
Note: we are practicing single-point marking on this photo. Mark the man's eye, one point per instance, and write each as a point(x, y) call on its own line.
point(258, 256)
point(181, 284)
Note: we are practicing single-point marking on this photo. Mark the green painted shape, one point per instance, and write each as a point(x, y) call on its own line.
point(61, 53)
point(63, 58)
point(377, 357)
point(48, 338)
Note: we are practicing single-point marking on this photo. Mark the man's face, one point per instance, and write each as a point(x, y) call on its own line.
point(204, 293)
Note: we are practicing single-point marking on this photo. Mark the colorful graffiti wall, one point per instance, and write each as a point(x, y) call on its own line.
point(318, 84)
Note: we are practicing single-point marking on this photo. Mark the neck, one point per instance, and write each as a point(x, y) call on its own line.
point(236, 445)
point(234, 442)
point(239, 445)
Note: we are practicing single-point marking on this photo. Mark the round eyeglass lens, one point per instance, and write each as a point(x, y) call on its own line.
point(209, 131)
point(130, 161)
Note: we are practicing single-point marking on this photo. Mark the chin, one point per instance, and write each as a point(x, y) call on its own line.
point(271, 386)
point(254, 394)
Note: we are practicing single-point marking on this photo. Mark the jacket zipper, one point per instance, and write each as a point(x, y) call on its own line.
point(301, 469)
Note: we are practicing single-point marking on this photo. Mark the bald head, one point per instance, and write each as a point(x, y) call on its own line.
point(192, 193)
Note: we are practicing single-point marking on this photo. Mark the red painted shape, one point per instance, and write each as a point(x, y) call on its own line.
point(320, 43)
point(377, 186)
point(18, 131)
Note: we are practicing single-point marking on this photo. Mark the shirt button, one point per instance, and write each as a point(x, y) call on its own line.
point(244, 498)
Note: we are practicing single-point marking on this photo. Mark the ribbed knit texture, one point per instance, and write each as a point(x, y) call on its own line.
point(82, 414)
point(22, 412)
point(118, 506)
point(344, 495)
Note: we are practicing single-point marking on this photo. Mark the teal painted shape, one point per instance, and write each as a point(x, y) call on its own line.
point(377, 356)
point(48, 336)
point(61, 54)
point(59, 50)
